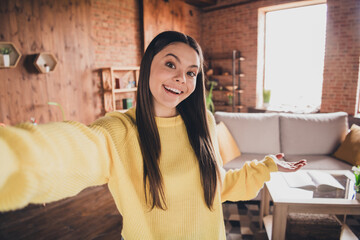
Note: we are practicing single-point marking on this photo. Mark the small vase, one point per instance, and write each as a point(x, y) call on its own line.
point(6, 59)
point(357, 197)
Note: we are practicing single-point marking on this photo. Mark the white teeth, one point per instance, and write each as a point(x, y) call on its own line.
point(172, 89)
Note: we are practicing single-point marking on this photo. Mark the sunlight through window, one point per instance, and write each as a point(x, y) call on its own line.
point(294, 57)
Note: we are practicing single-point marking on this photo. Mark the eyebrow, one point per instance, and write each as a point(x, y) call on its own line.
point(178, 59)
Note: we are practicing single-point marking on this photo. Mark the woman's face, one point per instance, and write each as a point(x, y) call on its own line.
point(173, 77)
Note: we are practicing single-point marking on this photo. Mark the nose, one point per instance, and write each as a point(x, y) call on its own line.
point(181, 78)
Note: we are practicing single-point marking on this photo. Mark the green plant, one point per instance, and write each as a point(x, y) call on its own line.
point(209, 101)
point(266, 95)
point(61, 108)
point(230, 97)
point(356, 171)
point(5, 51)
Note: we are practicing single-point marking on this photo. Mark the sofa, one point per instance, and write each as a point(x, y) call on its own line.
point(314, 137)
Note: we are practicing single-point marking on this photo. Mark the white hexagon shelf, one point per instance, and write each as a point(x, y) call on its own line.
point(45, 62)
point(9, 55)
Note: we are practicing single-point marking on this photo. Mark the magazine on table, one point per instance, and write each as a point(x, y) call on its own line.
point(312, 180)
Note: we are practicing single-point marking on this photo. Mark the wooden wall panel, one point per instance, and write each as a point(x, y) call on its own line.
point(160, 15)
point(60, 27)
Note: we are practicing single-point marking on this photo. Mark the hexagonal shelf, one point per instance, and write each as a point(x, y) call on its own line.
point(45, 62)
point(14, 55)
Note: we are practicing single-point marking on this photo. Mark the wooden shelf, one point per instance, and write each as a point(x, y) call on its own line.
point(227, 91)
point(119, 87)
point(228, 87)
point(223, 56)
point(220, 76)
point(125, 90)
point(226, 76)
point(14, 55)
point(45, 62)
point(227, 108)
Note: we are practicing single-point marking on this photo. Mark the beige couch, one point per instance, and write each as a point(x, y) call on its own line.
point(314, 137)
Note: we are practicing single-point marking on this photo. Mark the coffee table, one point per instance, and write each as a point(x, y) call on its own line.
point(294, 200)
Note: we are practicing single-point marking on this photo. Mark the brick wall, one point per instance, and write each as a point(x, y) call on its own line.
point(236, 28)
point(341, 70)
point(193, 22)
point(116, 33)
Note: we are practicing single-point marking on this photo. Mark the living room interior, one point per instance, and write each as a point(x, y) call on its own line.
point(67, 57)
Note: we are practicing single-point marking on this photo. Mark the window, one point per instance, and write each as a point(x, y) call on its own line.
point(294, 50)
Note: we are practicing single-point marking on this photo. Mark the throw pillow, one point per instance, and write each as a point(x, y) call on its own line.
point(227, 145)
point(349, 149)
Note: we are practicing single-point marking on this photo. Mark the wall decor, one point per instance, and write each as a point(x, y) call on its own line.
point(119, 87)
point(9, 55)
point(45, 62)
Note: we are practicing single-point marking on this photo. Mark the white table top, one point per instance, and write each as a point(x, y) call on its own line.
point(281, 193)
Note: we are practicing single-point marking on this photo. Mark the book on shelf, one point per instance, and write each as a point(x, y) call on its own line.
point(312, 180)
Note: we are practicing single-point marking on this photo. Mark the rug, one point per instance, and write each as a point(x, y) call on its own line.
point(241, 221)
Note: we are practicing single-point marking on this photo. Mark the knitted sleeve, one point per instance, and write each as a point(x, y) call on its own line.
point(246, 182)
point(48, 162)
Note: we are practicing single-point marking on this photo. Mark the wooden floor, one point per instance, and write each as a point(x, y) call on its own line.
point(91, 214)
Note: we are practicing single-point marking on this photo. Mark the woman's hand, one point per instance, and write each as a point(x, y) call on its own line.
point(284, 166)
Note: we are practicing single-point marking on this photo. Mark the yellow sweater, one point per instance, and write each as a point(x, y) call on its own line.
point(52, 161)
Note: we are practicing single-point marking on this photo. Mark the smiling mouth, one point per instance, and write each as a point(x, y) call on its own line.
point(172, 90)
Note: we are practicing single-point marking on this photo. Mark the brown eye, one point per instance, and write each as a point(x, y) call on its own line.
point(191, 74)
point(170, 65)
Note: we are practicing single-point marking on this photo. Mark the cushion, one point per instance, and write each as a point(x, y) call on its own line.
point(349, 150)
point(253, 132)
point(320, 162)
point(227, 145)
point(319, 133)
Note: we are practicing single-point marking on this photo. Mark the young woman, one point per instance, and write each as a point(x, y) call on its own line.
point(160, 159)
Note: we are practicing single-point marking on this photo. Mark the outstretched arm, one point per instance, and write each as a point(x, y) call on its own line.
point(49, 162)
point(245, 183)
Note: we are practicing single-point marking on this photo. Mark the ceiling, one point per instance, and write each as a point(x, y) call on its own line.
point(211, 5)
point(201, 3)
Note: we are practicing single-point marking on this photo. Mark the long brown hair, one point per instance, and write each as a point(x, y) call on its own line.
point(193, 113)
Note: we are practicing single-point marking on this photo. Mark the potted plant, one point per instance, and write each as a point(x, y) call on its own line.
point(6, 56)
point(356, 171)
point(209, 101)
point(47, 68)
point(266, 97)
point(230, 98)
